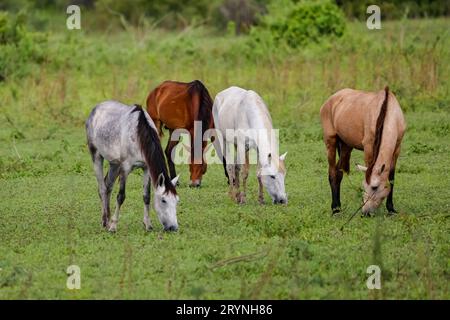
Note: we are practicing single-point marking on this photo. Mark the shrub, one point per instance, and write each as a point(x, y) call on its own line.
point(301, 22)
point(19, 48)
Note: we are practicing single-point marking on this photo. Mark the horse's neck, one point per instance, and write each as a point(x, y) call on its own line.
point(263, 156)
point(267, 141)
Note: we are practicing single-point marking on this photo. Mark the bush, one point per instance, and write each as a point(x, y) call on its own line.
point(298, 23)
point(19, 48)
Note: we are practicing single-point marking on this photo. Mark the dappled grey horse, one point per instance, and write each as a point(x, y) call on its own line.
point(126, 137)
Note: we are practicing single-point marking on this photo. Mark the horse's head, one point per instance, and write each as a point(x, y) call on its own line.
point(197, 171)
point(376, 189)
point(166, 204)
point(272, 178)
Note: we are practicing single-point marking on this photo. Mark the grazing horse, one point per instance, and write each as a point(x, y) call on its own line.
point(177, 105)
point(245, 113)
point(126, 137)
point(368, 121)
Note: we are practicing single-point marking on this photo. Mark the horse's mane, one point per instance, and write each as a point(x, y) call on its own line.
point(152, 151)
point(206, 103)
point(378, 134)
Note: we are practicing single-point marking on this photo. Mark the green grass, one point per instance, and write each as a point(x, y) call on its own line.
point(50, 212)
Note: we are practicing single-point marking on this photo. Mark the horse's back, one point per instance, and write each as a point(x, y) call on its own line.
point(109, 126)
point(237, 108)
point(169, 103)
point(351, 114)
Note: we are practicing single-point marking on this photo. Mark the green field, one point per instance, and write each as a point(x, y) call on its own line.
point(50, 212)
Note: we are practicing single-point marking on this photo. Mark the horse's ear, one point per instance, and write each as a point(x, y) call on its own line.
point(175, 180)
point(283, 156)
point(161, 180)
point(361, 168)
point(382, 168)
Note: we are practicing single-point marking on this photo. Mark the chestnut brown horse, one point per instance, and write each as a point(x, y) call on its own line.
point(368, 121)
point(176, 105)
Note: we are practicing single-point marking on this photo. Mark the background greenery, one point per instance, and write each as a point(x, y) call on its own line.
point(50, 215)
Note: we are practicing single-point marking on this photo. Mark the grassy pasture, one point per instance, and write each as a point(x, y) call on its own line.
point(50, 211)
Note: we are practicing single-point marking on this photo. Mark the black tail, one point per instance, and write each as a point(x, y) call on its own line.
point(152, 151)
point(206, 103)
point(378, 134)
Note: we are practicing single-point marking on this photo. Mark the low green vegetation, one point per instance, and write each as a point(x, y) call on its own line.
point(299, 23)
point(50, 212)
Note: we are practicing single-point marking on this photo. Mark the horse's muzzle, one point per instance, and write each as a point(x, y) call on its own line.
point(171, 228)
point(280, 201)
point(195, 183)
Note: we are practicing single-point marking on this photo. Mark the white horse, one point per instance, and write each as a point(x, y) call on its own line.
point(126, 137)
point(244, 122)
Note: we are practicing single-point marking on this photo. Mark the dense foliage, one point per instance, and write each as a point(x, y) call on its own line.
point(20, 49)
point(302, 22)
point(221, 14)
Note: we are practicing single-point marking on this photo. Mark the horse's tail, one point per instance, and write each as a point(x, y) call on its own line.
point(151, 104)
point(151, 149)
point(378, 134)
point(205, 104)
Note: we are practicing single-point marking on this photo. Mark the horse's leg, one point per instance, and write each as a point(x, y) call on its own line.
point(260, 191)
point(146, 196)
point(98, 168)
point(390, 200)
point(237, 195)
point(204, 164)
point(244, 174)
point(260, 185)
point(334, 175)
point(231, 170)
point(170, 145)
point(343, 165)
point(220, 147)
point(224, 162)
point(120, 198)
point(193, 168)
point(110, 179)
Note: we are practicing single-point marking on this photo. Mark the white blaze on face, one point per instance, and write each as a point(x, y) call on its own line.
point(166, 205)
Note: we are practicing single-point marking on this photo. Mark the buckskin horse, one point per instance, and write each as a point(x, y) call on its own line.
point(368, 121)
point(126, 137)
point(177, 105)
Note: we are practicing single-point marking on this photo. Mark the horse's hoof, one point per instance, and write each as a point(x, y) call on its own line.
point(336, 211)
point(392, 212)
point(112, 228)
point(240, 198)
point(148, 228)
